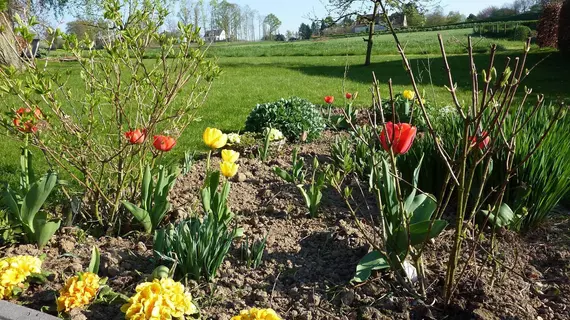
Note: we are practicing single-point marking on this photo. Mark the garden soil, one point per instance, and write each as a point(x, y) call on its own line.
point(308, 263)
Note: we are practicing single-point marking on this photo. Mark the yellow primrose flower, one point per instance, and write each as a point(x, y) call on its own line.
point(14, 271)
point(230, 155)
point(257, 314)
point(409, 94)
point(78, 291)
point(159, 299)
point(228, 169)
point(214, 138)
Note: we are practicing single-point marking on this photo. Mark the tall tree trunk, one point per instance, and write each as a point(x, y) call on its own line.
point(8, 43)
point(370, 40)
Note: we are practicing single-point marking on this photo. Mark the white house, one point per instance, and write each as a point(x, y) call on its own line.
point(215, 35)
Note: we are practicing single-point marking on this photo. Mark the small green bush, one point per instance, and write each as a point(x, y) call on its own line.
point(522, 33)
point(292, 117)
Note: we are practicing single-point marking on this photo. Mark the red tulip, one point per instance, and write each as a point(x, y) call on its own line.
point(483, 143)
point(329, 99)
point(26, 119)
point(136, 136)
point(349, 95)
point(164, 143)
point(401, 136)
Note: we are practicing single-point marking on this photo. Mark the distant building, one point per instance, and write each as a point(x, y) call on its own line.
point(215, 35)
point(363, 23)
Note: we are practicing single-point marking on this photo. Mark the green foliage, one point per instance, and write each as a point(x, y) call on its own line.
point(357, 153)
point(84, 129)
point(293, 117)
point(544, 179)
point(501, 217)
point(154, 202)
point(27, 210)
point(404, 230)
point(522, 33)
point(214, 202)
point(311, 190)
point(95, 260)
point(312, 193)
point(516, 30)
point(263, 152)
point(251, 253)
point(188, 162)
point(297, 173)
point(197, 247)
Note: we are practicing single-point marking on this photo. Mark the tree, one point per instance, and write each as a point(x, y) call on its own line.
point(436, 18)
point(413, 14)
point(9, 52)
point(305, 32)
point(343, 8)
point(454, 17)
point(273, 23)
point(471, 17)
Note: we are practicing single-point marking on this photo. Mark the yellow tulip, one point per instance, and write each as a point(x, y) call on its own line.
point(230, 155)
point(409, 94)
point(214, 138)
point(228, 169)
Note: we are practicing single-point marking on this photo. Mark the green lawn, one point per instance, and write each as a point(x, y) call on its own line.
point(254, 79)
point(415, 43)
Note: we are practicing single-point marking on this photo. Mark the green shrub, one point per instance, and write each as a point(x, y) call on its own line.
point(292, 116)
point(522, 33)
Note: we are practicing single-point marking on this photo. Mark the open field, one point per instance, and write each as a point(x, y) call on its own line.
point(253, 79)
point(414, 43)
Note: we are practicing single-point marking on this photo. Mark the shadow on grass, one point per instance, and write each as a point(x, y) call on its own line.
point(547, 76)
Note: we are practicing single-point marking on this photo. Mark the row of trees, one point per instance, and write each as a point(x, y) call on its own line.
point(239, 22)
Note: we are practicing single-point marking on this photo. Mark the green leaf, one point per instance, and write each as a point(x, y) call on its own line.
point(419, 231)
point(421, 208)
point(374, 260)
point(95, 260)
point(141, 215)
point(9, 200)
point(146, 200)
point(503, 218)
point(35, 198)
point(44, 229)
point(282, 174)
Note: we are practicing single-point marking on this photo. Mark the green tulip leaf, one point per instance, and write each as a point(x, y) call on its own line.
point(141, 215)
point(95, 260)
point(44, 229)
point(35, 198)
point(374, 260)
point(422, 208)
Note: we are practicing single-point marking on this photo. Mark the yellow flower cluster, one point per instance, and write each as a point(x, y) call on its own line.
point(228, 166)
point(78, 291)
point(160, 299)
point(14, 271)
point(257, 314)
point(409, 94)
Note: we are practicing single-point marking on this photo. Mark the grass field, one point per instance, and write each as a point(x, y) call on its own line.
point(263, 72)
